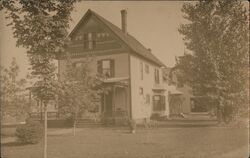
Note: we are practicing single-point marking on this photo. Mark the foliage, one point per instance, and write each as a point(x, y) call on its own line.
point(40, 27)
point(217, 65)
point(79, 88)
point(13, 101)
point(31, 132)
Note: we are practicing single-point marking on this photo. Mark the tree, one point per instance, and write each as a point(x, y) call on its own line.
point(79, 89)
point(217, 37)
point(40, 26)
point(13, 101)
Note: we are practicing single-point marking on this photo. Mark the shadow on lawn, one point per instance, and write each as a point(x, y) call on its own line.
point(13, 144)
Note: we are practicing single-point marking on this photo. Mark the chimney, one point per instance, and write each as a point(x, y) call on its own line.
point(124, 20)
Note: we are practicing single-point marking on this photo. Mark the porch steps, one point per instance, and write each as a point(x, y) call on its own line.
point(85, 123)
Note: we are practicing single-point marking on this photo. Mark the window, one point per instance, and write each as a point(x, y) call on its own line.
point(98, 35)
point(146, 68)
point(85, 38)
point(158, 102)
point(141, 91)
point(147, 99)
point(180, 85)
point(77, 64)
point(89, 40)
point(141, 69)
point(157, 78)
point(80, 37)
point(106, 67)
point(102, 35)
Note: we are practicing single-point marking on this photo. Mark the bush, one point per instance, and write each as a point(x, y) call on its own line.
point(70, 121)
point(31, 132)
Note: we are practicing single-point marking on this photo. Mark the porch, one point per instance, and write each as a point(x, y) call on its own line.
point(115, 103)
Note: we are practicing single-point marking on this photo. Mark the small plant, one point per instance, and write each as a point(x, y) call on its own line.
point(30, 133)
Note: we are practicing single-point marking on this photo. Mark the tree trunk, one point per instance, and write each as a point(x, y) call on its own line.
point(74, 128)
point(45, 132)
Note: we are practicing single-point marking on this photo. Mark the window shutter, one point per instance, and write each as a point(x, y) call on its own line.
point(112, 67)
point(99, 67)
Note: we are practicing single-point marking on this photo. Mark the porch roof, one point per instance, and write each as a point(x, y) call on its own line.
point(117, 80)
point(172, 89)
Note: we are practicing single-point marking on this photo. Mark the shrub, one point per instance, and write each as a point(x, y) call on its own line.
point(70, 121)
point(31, 132)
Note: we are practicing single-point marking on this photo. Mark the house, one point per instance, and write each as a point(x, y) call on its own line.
point(132, 70)
point(182, 99)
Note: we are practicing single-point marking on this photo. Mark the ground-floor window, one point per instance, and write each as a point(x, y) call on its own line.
point(159, 102)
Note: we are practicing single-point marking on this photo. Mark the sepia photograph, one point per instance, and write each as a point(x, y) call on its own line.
point(124, 79)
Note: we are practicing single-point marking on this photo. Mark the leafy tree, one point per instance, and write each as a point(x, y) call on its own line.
point(13, 100)
point(40, 26)
point(216, 66)
point(79, 89)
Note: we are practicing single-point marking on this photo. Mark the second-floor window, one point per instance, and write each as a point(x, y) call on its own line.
point(157, 77)
point(147, 68)
point(147, 99)
point(141, 70)
point(106, 67)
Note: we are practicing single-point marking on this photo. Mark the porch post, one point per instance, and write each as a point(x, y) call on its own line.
point(113, 100)
point(127, 107)
point(104, 103)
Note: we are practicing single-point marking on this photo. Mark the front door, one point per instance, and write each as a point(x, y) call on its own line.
point(108, 103)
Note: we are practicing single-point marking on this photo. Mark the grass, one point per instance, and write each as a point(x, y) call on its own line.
point(205, 142)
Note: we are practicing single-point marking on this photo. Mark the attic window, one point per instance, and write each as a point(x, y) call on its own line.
point(102, 35)
point(78, 64)
point(89, 40)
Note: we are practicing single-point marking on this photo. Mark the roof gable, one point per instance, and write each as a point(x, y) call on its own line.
point(127, 39)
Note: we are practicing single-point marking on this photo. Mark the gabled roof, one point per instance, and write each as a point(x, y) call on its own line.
point(129, 40)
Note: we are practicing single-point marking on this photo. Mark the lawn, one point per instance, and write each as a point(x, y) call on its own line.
point(195, 142)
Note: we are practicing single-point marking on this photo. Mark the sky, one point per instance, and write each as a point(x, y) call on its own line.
point(154, 24)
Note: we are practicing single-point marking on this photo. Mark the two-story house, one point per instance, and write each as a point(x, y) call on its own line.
point(132, 70)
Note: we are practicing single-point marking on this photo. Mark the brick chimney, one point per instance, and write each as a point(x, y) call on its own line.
point(124, 20)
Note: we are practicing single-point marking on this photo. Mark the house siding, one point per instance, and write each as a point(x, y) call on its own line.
point(186, 96)
point(140, 109)
point(121, 64)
